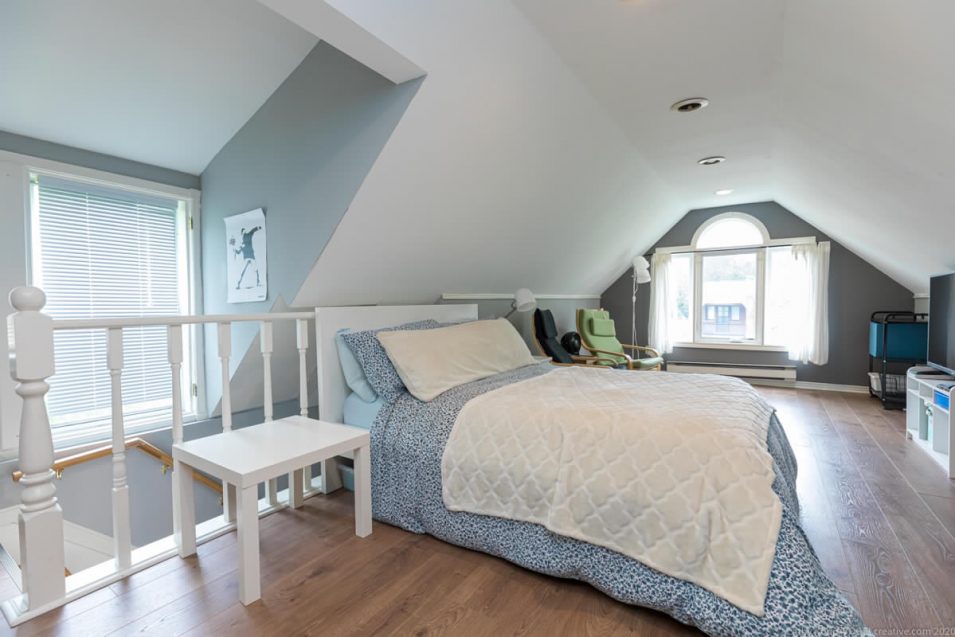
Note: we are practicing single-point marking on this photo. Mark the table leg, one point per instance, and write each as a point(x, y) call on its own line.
point(248, 532)
point(184, 521)
point(296, 486)
point(228, 501)
point(272, 492)
point(362, 492)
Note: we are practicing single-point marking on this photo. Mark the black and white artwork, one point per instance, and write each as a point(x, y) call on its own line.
point(247, 269)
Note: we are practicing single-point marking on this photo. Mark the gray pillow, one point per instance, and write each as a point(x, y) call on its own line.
point(374, 361)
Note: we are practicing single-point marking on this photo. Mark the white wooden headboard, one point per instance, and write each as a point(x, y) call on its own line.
point(328, 320)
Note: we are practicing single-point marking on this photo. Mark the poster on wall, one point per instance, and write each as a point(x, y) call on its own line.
point(247, 266)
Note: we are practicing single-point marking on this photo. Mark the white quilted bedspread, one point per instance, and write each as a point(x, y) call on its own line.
point(669, 469)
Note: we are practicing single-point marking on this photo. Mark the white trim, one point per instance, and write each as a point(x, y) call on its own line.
point(745, 347)
point(494, 296)
point(920, 295)
point(731, 215)
point(100, 177)
point(332, 25)
point(809, 385)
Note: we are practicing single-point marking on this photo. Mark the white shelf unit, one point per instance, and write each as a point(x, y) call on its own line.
point(927, 424)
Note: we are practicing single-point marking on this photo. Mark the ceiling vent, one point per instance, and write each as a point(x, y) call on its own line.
point(690, 105)
point(711, 161)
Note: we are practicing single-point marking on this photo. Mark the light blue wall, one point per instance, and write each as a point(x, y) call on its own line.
point(301, 157)
point(97, 161)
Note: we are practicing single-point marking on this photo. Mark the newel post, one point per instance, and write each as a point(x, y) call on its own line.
point(41, 519)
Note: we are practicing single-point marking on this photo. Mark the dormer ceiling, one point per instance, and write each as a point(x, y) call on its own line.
point(164, 82)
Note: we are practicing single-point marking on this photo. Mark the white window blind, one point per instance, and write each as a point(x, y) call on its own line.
point(102, 252)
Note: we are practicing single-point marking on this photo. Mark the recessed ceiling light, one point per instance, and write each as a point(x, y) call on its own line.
point(723, 192)
point(690, 105)
point(710, 161)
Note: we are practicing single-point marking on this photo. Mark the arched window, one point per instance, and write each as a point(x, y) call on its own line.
point(730, 230)
point(733, 286)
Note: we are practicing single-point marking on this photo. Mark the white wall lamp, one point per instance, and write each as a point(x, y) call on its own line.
point(524, 301)
point(641, 274)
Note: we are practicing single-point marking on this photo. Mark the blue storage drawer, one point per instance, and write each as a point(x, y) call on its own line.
point(907, 341)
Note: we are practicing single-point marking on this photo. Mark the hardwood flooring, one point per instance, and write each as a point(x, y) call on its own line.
point(879, 512)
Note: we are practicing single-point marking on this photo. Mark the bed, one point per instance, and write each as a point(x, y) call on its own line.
point(412, 476)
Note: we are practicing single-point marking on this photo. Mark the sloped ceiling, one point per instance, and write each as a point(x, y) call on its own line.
point(540, 150)
point(839, 111)
point(164, 82)
point(503, 172)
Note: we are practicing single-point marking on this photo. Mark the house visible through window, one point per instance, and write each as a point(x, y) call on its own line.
point(103, 251)
point(749, 290)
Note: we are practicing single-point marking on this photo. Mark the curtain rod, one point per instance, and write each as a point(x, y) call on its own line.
point(689, 250)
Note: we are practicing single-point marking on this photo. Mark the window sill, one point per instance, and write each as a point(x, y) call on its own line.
point(732, 346)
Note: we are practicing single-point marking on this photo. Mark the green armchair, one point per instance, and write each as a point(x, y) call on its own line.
point(598, 334)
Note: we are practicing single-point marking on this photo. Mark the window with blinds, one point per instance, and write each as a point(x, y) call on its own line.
point(105, 252)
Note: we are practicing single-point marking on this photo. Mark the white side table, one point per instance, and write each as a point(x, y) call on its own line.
point(246, 457)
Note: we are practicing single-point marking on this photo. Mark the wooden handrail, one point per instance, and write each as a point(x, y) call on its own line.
point(132, 443)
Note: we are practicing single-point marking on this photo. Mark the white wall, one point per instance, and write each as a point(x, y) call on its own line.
point(503, 172)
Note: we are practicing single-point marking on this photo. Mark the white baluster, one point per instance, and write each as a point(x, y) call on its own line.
point(225, 351)
point(175, 354)
point(41, 519)
point(122, 542)
point(301, 342)
point(265, 340)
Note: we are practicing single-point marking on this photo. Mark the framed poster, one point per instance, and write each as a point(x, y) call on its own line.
point(246, 257)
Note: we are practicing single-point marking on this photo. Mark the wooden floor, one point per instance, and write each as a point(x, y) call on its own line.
point(880, 513)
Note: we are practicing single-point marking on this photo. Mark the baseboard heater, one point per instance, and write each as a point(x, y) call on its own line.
point(785, 373)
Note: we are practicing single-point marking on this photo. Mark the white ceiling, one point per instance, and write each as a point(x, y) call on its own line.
point(841, 111)
point(166, 83)
point(540, 150)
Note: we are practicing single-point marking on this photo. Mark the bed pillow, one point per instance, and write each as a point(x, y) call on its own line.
point(377, 367)
point(354, 374)
point(434, 361)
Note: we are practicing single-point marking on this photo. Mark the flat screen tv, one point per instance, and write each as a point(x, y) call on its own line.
point(941, 323)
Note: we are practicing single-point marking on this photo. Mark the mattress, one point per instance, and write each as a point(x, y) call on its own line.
point(408, 440)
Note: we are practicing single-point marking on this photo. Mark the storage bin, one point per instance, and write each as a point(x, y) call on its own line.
point(907, 341)
point(895, 383)
point(348, 476)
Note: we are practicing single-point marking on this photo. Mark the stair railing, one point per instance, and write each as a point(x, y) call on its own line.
point(40, 521)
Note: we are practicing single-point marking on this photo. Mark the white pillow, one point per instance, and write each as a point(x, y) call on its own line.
point(431, 362)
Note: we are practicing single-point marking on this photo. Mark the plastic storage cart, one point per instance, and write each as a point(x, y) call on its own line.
point(897, 341)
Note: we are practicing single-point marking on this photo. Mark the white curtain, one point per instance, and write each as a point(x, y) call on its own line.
point(810, 334)
point(661, 302)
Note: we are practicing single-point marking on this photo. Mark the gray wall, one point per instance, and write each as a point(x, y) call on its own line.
point(856, 289)
point(565, 314)
point(301, 157)
point(97, 161)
